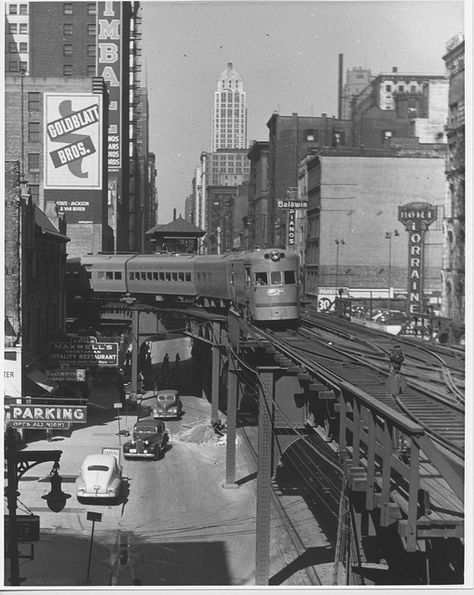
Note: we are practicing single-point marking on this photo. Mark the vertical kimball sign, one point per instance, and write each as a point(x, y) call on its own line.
point(73, 141)
point(109, 67)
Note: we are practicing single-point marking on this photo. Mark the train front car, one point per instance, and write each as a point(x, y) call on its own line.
point(272, 285)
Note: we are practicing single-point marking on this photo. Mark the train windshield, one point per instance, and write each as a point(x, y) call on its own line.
point(275, 277)
point(290, 278)
point(261, 279)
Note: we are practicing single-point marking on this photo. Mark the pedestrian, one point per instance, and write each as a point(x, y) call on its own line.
point(177, 359)
point(166, 363)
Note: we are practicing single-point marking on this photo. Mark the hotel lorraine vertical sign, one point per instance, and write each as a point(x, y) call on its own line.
point(416, 217)
point(109, 67)
point(73, 143)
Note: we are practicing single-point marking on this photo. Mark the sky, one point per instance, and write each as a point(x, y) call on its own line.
point(287, 54)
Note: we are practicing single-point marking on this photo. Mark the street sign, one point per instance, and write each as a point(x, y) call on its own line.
point(41, 425)
point(94, 516)
point(47, 413)
point(86, 352)
point(27, 527)
point(66, 374)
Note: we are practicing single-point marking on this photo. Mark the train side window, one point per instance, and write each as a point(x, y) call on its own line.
point(100, 275)
point(248, 278)
point(137, 276)
point(131, 276)
point(290, 277)
point(188, 277)
point(181, 277)
point(175, 276)
point(198, 276)
point(149, 276)
point(261, 279)
point(143, 275)
point(109, 275)
point(162, 276)
point(275, 277)
point(89, 274)
point(155, 276)
point(118, 275)
point(168, 276)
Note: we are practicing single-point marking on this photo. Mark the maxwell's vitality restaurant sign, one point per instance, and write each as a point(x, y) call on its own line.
point(73, 141)
point(85, 352)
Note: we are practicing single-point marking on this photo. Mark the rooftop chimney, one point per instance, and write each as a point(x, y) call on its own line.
point(394, 69)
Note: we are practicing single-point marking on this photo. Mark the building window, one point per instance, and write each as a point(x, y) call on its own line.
point(91, 51)
point(23, 66)
point(401, 88)
point(67, 70)
point(34, 191)
point(12, 9)
point(338, 138)
point(33, 162)
point(413, 89)
point(91, 8)
point(12, 47)
point(386, 135)
point(91, 29)
point(67, 8)
point(67, 29)
point(67, 49)
point(33, 101)
point(388, 87)
point(33, 131)
point(23, 9)
point(13, 66)
point(91, 70)
point(12, 28)
point(23, 47)
point(23, 28)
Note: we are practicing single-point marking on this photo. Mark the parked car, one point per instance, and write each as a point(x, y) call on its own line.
point(149, 440)
point(168, 404)
point(100, 477)
point(393, 317)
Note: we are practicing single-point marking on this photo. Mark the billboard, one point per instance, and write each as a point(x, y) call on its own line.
point(109, 67)
point(72, 142)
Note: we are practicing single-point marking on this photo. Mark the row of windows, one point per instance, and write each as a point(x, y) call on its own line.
point(17, 66)
point(401, 88)
point(14, 28)
point(68, 8)
point(13, 47)
point(18, 9)
point(67, 50)
point(68, 70)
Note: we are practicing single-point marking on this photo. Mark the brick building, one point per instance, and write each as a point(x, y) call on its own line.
point(290, 139)
point(453, 273)
point(25, 99)
point(353, 198)
point(35, 260)
point(400, 105)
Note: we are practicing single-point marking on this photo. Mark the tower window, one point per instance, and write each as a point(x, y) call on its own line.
point(67, 8)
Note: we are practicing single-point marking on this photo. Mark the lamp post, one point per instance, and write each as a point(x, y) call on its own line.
point(18, 462)
point(338, 243)
point(388, 236)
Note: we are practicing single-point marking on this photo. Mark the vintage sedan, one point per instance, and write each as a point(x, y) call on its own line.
point(149, 440)
point(100, 477)
point(168, 404)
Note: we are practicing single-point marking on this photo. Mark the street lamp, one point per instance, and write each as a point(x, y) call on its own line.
point(338, 243)
point(388, 236)
point(18, 463)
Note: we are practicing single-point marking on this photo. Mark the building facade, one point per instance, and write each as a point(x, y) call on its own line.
point(396, 106)
point(453, 270)
point(355, 240)
point(91, 39)
point(357, 79)
point(290, 139)
point(258, 196)
point(229, 112)
point(35, 262)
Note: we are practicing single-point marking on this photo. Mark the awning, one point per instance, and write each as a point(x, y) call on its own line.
point(41, 381)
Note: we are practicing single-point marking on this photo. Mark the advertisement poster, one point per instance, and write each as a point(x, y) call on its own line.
point(73, 141)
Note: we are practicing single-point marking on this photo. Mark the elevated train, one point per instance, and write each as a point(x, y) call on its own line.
point(262, 284)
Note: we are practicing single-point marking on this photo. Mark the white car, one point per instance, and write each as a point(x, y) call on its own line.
point(100, 477)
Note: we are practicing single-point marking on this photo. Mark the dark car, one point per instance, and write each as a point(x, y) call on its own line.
point(149, 440)
point(168, 404)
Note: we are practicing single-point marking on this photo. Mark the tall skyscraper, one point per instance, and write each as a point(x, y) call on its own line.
point(229, 114)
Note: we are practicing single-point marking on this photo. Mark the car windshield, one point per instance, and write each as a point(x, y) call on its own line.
point(166, 398)
point(97, 468)
point(144, 431)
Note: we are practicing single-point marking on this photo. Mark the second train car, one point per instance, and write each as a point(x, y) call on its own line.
point(262, 284)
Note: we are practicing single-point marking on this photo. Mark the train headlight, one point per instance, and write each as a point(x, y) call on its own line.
point(275, 255)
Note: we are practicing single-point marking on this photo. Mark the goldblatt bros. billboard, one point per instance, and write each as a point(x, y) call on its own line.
point(73, 141)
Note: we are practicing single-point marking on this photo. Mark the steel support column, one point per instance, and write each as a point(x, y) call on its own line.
point(232, 389)
point(135, 347)
point(264, 476)
point(215, 375)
